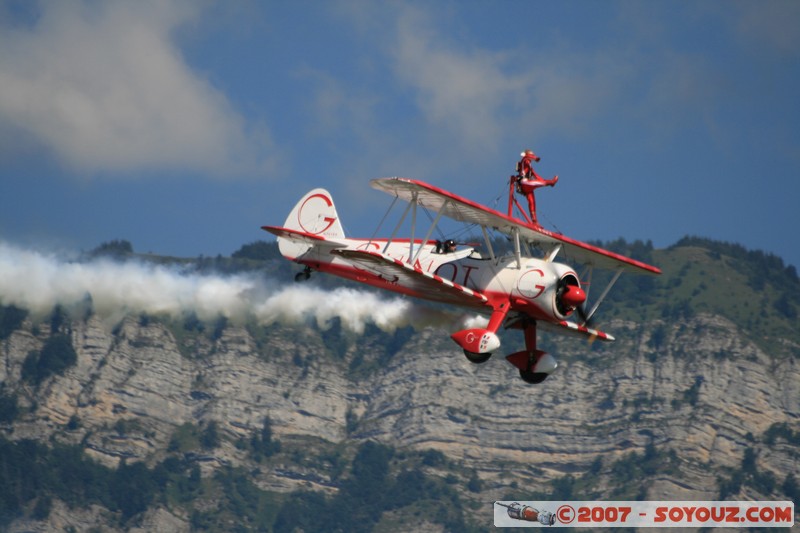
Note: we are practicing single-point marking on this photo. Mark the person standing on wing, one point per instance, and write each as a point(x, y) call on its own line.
point(528, 180)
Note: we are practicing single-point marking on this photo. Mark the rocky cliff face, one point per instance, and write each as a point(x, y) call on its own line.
point(692, 396)
point(704, 392)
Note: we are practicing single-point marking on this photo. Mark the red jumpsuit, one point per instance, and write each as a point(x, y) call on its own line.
point(529, 180)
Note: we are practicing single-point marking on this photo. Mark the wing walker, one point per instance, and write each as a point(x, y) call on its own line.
point(516, 290)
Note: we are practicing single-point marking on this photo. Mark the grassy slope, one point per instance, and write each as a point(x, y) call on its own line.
point(762, 299)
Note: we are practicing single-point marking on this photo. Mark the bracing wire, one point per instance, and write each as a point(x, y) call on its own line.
point(386, 214)
point(438, 229)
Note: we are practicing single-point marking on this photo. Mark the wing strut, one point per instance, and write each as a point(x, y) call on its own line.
point(553, 253)
point(397, 228)
point(430, 231)
point(488, 243)
point(602, 296)
point(413, 226)
point(386, 214)
point(517, 252)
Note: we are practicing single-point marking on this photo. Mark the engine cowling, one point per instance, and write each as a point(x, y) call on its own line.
point(548, 290)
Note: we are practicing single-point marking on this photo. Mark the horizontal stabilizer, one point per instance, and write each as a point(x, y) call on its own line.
point(303, 238)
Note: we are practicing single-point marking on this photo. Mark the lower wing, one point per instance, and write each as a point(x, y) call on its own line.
point(566, 327)
point(422, 284)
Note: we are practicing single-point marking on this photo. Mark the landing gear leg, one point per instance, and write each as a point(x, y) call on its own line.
point(304, 275)
point(528, 362)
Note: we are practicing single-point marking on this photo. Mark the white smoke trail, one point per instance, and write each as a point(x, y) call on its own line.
point(354, 308)
point(38, 282)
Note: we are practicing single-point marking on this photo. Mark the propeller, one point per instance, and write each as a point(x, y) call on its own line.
point(571, 297)
point(576, 298)
point(586, 320)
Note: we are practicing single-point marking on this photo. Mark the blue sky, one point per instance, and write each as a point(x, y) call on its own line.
point(185, 126)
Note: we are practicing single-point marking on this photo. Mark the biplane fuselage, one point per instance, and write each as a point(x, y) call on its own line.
point(515, 290)
point(531, 288)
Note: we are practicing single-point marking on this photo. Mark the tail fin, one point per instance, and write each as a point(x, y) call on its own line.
point(315, 214)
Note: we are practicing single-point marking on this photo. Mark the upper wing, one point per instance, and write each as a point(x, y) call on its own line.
point(461, 209)
point(426, 285)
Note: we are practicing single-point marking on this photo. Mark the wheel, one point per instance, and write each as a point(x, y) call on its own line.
point(477, 358)
point(532, 377)
point(302, 276)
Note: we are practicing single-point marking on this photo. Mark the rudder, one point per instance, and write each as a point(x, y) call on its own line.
point(316, 214)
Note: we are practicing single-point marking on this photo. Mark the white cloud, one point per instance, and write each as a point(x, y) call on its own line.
point(485, 97)
point(464, 90)
point(103, 85)
point(772, 25)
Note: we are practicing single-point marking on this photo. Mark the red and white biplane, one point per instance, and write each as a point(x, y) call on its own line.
point(515, 290)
